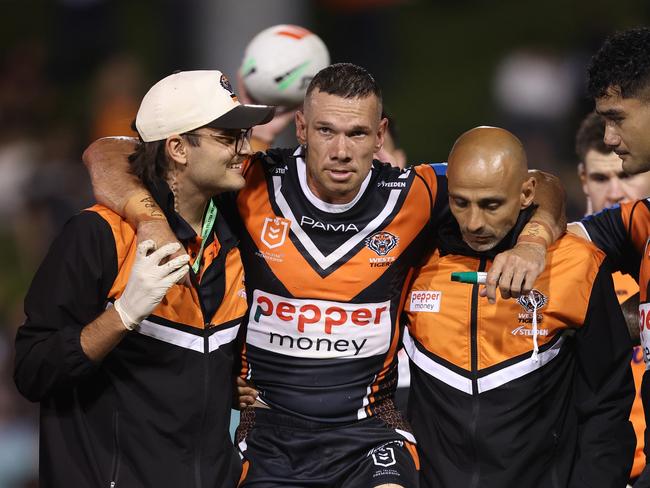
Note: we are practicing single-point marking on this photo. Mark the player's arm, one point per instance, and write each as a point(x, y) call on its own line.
point(68, 329)
point(604, 391)
point(618, 234)
point(118, 189)
point(514, 271)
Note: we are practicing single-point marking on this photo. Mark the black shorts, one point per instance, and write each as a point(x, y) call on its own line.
point(281, 450)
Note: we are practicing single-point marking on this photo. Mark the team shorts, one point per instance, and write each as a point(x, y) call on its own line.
point(283, 451)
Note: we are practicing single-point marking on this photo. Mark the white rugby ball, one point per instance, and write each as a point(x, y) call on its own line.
point(279, 63)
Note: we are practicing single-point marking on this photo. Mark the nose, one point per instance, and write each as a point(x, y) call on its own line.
point(340, 148)
point(246, 149)
point(475, 221)
point(615, 191)
point(611, 137)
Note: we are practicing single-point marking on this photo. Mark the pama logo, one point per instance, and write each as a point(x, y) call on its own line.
point(382, 242)
point(318, 328)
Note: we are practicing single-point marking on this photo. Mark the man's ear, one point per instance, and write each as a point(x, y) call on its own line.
point(301, 127)
point(582, 174)
point(527, 192)
point(381, 132)
point(176, 148)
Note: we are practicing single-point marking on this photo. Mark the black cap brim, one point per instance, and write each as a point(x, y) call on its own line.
point(244, 116)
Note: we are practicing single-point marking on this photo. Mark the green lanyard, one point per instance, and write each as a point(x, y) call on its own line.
point(208, 223)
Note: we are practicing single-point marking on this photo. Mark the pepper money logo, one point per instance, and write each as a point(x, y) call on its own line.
point(318, 328)
point(382, 242)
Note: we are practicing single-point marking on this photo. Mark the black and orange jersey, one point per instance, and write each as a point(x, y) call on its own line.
point(325, 283)
point(623, 232)
point(486, 407)
point(156, 411)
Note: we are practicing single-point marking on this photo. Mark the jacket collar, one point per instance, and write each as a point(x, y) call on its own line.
point(450, 240)
point(164, 197)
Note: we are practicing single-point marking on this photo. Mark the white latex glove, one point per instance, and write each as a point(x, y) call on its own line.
point(149, 281)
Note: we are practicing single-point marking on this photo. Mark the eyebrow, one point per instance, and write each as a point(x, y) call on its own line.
point(612, 112)
point(488, 200)
point(324, 123)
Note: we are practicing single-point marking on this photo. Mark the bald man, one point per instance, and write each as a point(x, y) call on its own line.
point(533, 392)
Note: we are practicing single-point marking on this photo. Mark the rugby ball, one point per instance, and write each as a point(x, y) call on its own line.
point(279, 63)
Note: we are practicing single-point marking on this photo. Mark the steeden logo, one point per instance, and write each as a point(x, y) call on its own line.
point(275, 231)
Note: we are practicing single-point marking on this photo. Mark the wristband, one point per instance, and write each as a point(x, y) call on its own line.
point(536, 232)
point(545, 225)
point(534, 239)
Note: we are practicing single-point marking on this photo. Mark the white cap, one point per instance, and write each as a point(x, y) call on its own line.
point(188, 100)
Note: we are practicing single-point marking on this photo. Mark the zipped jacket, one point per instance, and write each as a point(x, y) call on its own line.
point(156, 411)
point(532, 392)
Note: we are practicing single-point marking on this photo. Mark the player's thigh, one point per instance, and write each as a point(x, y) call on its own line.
point(391, 464)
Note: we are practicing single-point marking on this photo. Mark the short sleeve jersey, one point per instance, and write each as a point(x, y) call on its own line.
point(325, 282)
point(623, 233)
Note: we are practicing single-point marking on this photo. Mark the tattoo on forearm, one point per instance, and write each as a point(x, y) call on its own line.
point(154, 209)
point(533, 229)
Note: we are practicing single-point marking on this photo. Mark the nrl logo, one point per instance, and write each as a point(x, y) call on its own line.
point(382, 242)
point(535, 299)
point(275, 231)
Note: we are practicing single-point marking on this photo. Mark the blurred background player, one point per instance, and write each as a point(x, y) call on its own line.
point(601, 173)
point(605, 184)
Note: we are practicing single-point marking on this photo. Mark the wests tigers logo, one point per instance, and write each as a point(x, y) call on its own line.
point(382, 242)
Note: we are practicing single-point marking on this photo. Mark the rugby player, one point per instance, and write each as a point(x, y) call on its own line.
point(133, 371)
point(328, 238)
point(619, 82)
point(605, 184)
point(532, 392)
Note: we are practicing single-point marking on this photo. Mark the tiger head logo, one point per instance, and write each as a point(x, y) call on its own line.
point(535, 299)
point(382, 242)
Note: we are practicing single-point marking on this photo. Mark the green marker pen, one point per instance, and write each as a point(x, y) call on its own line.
point(472, 277)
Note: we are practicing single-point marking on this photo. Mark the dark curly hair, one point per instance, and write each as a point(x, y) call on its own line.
point(623, 61)
point(590, 136)
point(149, 160)
point(345, 80)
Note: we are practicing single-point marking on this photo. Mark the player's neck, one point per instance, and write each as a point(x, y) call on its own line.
point(189, 203)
